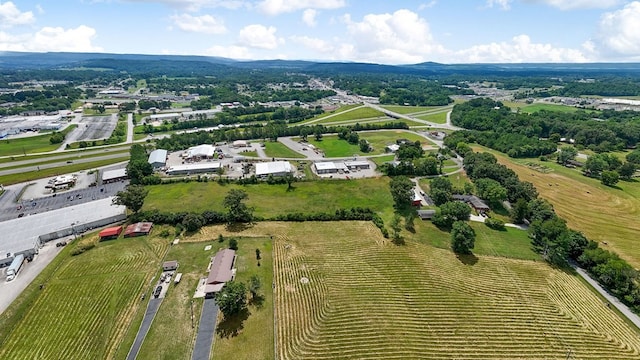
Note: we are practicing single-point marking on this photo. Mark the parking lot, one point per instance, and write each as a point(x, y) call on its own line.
point(96, 127)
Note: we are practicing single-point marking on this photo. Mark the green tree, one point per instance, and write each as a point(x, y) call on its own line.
point(364, 146)
point(519, 211)
point(627, 170)
point(56, 138)
point(254, 286)
point(439, 196)
point(567, 153)
point(491, 190)
point(450, 212)
point(396, 227)
point(132, 197)
point(137, 170)
point(595, 164)
point(192, 222)
point(463, 238)
point(318, 135)
point(238, 211)
point(540, 209)
point(401, 191)
point(232, 299)
point(634, 157)
point(609, 178)
point(233, 244)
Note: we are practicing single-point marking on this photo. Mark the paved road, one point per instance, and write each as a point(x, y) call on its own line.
point(80, 160)
point(611, 299)
point(206, 330)
point(129, 128)
point(149, 315)
point(22, 160)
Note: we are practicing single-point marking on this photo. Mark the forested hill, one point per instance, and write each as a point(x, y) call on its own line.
point(135, 63)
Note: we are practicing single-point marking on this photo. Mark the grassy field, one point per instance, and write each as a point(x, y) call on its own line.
point(408, 109)
point(270, 200)
point(87, 303)
point(334, 147)
point(602, 213)
point(356, 114)
point(438, 118)
point(548, 107)
point(279, 150)
point(29, 145)
point(33, 175)
point(364, 294)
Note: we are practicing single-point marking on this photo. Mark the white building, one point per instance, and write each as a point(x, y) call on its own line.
point(273, 168)
point(158, 158)
point(201, 152)
point(199, 168)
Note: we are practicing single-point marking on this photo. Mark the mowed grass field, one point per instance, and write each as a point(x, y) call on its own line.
point(351, 114)
point(271, 200)
point(408, 109)
point(367, 298)
point(602, 213)
point(32, 144)
point(87, 304)
point(438, 118)
point(279, 150)
point(335, 147)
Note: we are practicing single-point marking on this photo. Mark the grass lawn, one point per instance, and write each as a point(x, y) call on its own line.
point(87, 304)
point(362, 292)
point(379, 160)
point(604, 214)
point(33, 175)
point(336, 111)
point(359, 113)
point(32, 144)
point(270, 200)
point(279, 150)
point(511, 243)
point(334, 147)
point(408, 109)
point(457, 180)
point(438, 118)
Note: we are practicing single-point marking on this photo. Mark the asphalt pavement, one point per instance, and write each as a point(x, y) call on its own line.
point(149, 315)
point(206, 330)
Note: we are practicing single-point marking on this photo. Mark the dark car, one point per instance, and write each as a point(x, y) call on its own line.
point(20, 215)
point(156, 293)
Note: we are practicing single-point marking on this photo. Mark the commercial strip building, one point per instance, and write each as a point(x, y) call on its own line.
point(273, 168)
point(332, 167)
point(110, 176)
point(27, 234)
point(197, 168)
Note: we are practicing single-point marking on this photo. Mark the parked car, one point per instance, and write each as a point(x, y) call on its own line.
point(156, 293)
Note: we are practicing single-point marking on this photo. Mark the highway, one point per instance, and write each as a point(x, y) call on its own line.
point(79, 160)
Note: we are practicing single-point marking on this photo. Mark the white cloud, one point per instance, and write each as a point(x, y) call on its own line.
point(620, 30)
point(259, 36)
point(275, 7)
point(314, 44)
point(52, 39)
point(504, 4)
point(196, 5)
point(231, 52)
point(577, 4)
point(309, 17)
point(401, 37)
point(206, 24)
point(427, 5)
point(519, 50)
point(10, 15)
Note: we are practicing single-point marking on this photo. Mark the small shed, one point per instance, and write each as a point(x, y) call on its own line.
point(170, 265)
point(158, 158)
point(138, 229)
point(110, 233)
point(426, 214)
point(240, 143)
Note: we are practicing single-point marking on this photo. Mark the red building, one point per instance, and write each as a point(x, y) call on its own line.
point(110, 233)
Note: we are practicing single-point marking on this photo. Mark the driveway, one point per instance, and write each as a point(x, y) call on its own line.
point(206, 330)
point(149, 315)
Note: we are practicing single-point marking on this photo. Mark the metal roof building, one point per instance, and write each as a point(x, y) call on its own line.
point(201, 151)
point(273, 168)
point(26, 233)
point(198, 168)
point(158, 158)
point(114, 175)
point(138, 229)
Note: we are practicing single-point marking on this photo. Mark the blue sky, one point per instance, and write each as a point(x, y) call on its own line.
point(378, 31)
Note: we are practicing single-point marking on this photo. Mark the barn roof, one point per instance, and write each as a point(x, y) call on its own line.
point(222, 267)
point(111, 231)
point(138, 228)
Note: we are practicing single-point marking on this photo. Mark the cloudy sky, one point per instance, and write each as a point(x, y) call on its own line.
point(379, 31)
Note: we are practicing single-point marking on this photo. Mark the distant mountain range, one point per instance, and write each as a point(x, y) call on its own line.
point(135, 63)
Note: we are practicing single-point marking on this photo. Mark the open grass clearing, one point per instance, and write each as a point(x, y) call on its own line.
point(363, 292)
point(339, 110)
point(410, 123)
point(549, 107)
point(379, 160)
point(604, 214)
point(31, 144)
point(355, 114)
point(87, 303)
point(404, 110)
point(335, 147)
point(438, 118)
point(270, 200)
point(279, 150)
point(33, 175)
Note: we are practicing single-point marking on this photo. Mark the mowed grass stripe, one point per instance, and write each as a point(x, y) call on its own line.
point(416, 301)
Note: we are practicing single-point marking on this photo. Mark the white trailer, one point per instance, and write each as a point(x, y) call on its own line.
point(177, 278)
point(15, 267)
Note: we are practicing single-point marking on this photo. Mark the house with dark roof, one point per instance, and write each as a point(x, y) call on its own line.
point(221, 271)
point(426, 214)
point(478, 204)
